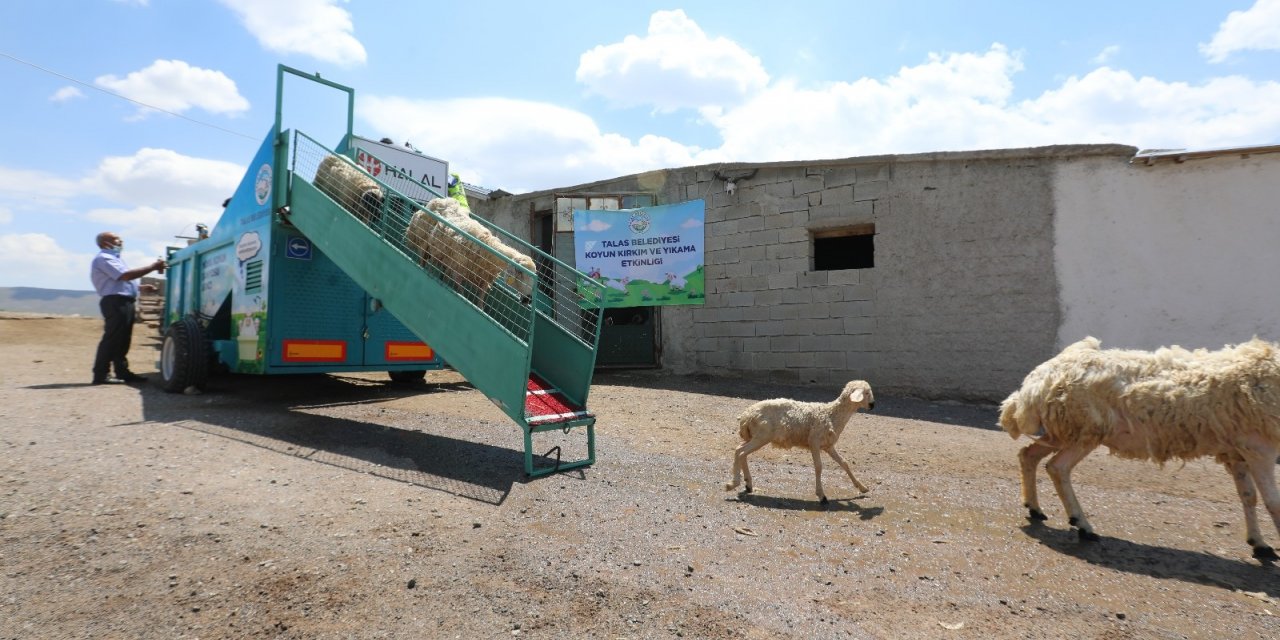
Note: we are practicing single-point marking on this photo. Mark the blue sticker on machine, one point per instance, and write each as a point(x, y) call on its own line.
point(298, 248)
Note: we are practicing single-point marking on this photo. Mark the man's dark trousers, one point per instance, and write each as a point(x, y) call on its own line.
point(117, 335)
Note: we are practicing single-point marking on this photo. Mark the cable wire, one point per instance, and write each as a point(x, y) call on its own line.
point(112, 93)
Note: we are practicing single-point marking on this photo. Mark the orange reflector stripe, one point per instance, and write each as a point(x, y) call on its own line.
point(408, 351)
point(315, 351)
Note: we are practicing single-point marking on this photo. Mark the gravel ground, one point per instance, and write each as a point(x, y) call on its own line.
point(344, 506)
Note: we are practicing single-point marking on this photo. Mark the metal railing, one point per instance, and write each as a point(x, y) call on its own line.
point(503, 276)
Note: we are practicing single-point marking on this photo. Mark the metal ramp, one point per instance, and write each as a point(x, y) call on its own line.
point(527, 340)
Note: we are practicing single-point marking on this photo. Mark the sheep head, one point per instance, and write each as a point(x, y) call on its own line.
point(859, 393)
point(445, 207)
point(519, 280)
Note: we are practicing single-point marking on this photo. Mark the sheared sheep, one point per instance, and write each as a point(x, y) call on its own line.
point(350, 186)
point(815, 426)
point(461, 259)
point(1163, 405)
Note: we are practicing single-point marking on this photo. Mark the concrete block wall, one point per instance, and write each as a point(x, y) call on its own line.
point(768, 315)
point(967, 299)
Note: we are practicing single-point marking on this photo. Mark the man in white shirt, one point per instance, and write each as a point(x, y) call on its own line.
point(117, 285)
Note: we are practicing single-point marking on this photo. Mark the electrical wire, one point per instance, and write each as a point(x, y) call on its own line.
point(112, 93)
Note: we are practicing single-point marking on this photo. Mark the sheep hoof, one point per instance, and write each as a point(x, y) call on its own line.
point(823, 500)
point(1036, 514)
point(1087, 536)
point(1073, 521)
point(747, 489)
point(1265, 553)
point(728, 486)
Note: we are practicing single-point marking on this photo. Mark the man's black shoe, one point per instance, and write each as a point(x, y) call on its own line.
point(133, 377)
point(107, 381)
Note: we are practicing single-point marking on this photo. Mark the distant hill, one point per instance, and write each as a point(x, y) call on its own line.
point(55, 301)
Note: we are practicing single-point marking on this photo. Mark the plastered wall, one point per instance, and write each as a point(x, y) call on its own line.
point(1172, 253)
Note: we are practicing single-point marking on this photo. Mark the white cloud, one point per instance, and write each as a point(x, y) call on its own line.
point(148, 230)
point(962, 103)
point(919, 109)
point(1106, 54)
point(36, 260)
point(162, 178)
point(66, 93)
point(174, 85)
point(148, 197)
point(676, 65)
point(36, 189)
point(1113, 106)
point(1257, 28)
point(316, 28)
point(515, 144)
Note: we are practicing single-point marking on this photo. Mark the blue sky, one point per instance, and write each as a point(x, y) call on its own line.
point(528, 96)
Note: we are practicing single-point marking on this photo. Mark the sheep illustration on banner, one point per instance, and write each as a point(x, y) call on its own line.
point(644, 257)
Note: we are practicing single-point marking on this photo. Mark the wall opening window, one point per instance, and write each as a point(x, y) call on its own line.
point(845, 248)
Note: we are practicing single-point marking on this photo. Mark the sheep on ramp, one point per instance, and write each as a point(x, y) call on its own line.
point(1163, 405)
point(423, 224)
point(350, 186)
point(450, 243)
point(811, 425)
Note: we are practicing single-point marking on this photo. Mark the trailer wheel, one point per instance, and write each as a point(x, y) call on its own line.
point(406, 377)
point(184, 359)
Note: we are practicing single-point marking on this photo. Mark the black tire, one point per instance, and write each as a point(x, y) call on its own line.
point(407, 377)
point(184, 357)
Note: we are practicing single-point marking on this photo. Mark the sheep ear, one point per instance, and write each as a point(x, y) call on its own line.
point(857, 395)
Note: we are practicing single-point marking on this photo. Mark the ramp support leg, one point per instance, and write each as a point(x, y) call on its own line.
point(559, 465)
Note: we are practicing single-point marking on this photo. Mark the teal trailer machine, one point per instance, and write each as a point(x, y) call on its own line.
point(320, 265)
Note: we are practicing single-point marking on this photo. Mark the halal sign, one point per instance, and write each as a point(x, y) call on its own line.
point(370, 163)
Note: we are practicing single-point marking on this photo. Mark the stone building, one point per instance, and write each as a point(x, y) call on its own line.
point(946, 275)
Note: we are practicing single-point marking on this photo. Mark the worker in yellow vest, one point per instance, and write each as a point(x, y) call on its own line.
point(455, 190)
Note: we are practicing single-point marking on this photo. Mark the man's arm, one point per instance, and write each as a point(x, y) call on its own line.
point(134, 274)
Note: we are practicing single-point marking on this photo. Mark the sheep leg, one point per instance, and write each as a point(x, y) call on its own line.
point(740, 468)
point(817, 474)
point(1028, 459)
point(1239, 471)
point(1059, 468)
point(1261, 459)
point(831, 451)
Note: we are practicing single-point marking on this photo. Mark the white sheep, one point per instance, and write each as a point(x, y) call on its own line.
point(418, 232)
point(674, 281)
point(461, 259)
point(1163, 405)
point(815, 426)
point(617, 285)
point(350, 186)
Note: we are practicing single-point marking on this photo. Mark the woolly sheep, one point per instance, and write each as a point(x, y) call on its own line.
point(350, 186)
point(418, 233)
point(815, 426)
point(461, 259)
point(1163, 405)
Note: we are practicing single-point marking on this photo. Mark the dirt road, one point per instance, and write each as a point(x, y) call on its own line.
point(349, 507)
